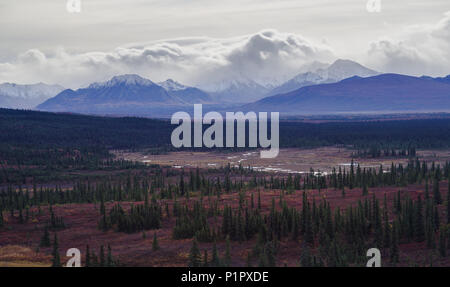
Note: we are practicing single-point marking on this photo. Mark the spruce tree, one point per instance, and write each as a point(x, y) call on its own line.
point(56, 262)
point(306, 258)
point(205, 258)
point(436, 192)
point(263, 260)
point(215, 261)
point(365, 190)
point(430, 234)
point(394, 244)
point(1, 217)
point(88, 257)
point(195, 257)
point(102, 256)
point(259, 199)
point(387, 228)
point(295, 228)
point(443, 244)
point(227, 259)
point(109, 258)
point(427, 193)
point(155, 244)
point(270, 251)
point(45, 240)
point(309, 233)
point(419, 230)
point(448, 202)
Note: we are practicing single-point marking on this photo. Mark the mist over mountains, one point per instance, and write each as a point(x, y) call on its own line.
point(343, 86)
point(339, 70)
point(26, 96)
point(132, 94)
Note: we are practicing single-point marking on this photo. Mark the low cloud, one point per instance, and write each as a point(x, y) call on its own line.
point(423, 50)
point(265, 55)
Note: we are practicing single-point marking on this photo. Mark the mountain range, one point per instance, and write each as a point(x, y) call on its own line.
point(244, 90)
point(381, 93)
point(126, 94)
point(339, 70)
point(131, 94)
point(186, 94)
point(341, 87)
point(240, 90)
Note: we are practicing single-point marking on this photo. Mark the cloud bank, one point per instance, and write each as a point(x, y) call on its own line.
point(265, 55)
point(424, 50)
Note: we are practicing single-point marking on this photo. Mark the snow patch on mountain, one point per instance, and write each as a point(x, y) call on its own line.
point(127, 79)
point(320, 73)
point(171, 85)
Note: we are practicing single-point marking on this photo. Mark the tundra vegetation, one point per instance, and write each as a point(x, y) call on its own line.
point(61, 187)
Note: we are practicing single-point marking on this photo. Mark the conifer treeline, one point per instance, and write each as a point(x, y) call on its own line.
point(161, 184)
point(378, 150)
point(339, 237)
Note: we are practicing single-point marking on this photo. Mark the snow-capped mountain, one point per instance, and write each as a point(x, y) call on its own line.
point(26, 96)
point(343, 69)
point(171, 85)
point(337, 71)
point(127, 79)
point(123, 94)
point(127, 95)
point(186, 94)
point(301, 80)
point(240, 90)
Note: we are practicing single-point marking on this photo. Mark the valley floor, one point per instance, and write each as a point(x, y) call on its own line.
point(289, 160)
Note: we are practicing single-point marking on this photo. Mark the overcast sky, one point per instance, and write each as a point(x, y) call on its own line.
point(200, 41)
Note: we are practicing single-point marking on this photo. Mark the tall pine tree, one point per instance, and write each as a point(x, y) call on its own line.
point(56, 262)
point(195, 257)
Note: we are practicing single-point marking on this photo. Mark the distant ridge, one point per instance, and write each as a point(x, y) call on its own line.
point(337, 71)
point(381, 93)
point(125, 94)
point(186, 94)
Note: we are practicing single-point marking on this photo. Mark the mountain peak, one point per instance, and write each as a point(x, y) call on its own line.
point(346, 64)
point(342, 68)
point(126, 79)
point(171, 85)
point(323, 73)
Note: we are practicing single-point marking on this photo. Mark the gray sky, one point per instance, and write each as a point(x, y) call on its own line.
point(258, 39)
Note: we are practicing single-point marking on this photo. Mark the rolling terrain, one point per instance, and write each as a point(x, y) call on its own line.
point(386, 93)
point(114, 189)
